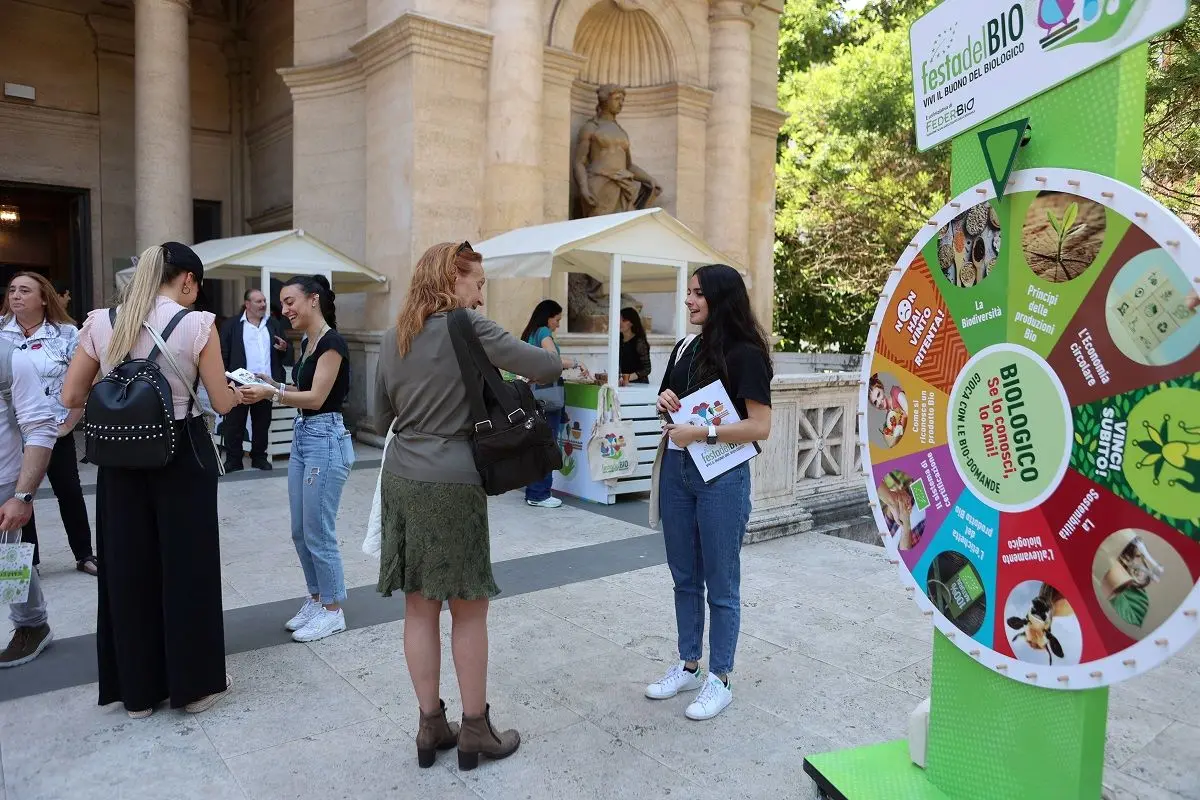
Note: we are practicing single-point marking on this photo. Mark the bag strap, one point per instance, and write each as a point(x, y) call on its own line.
point(680, 346)
point(474, 364)
point(469, 374)
point(160, 342)
point(610, 403)
point(615, 408)
point(160, 345)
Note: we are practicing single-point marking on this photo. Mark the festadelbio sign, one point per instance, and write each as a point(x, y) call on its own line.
point(973, 59)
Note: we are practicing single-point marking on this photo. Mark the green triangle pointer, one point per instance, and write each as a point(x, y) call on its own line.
point(1000, 146)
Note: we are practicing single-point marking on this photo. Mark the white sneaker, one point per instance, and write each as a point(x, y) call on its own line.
point(324, 623)
point(549, 502)
point(675, 681)
point(711, 701)
point(304, 615)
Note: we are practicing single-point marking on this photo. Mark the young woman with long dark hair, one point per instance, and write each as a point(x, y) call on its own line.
point(635, 349)
point(539, 332)
point(322, 451)
point(159, 626)
point(704, 523)
point(34, 318)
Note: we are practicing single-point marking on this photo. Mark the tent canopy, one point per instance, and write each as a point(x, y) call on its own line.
point(587, 246)
point(282, 254)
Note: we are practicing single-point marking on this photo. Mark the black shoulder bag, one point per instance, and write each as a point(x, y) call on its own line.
point(510, 438)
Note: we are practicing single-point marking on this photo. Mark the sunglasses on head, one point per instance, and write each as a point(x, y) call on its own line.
point(465, 247)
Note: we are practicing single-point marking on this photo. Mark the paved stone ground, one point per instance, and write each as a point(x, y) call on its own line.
point(832, 655)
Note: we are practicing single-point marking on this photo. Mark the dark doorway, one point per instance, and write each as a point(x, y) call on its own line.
point(51, 235)
point(206, 224)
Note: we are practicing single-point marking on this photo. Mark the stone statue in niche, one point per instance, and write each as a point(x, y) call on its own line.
point(609, 182)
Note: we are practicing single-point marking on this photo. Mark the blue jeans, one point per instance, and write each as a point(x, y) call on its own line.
point(703, 526)
point(540, 490)
point(322, 455)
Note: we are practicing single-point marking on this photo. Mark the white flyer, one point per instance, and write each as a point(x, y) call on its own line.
point(711, 405)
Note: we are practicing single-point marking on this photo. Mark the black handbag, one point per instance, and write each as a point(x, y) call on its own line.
point(130, 412)
point(511, 440)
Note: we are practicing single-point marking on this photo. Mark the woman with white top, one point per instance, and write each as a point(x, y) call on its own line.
point(159, 629)
point(34, 319)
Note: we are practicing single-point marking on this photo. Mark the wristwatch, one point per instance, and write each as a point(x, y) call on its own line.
point(24, 497)
point(712, 435)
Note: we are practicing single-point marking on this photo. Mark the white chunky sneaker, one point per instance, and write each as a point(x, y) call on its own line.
point(675, 681)
point(549, 502)
point(325, 623)
point(711, 701)
point(304, 615)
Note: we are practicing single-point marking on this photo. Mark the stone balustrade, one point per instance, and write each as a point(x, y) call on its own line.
point(810, 471)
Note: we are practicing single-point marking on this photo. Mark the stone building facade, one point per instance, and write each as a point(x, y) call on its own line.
point(380, 126)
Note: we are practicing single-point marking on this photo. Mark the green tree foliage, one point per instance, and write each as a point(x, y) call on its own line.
point(852, 188)
point(1171, 162)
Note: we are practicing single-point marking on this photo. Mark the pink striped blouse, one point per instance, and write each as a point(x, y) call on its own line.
point(186, 342)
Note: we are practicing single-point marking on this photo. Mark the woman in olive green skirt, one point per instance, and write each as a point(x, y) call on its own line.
point(435, 544)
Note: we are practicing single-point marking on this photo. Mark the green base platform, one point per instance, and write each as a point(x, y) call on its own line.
point(875, 772)
point(990, 738)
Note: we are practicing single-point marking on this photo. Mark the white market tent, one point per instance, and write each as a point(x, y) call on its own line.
point(647, 249)
point(282, 253)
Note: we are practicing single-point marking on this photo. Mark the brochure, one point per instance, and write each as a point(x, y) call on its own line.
point(711, 405)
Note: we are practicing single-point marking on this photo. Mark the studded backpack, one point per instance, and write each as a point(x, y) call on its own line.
point(130, 412)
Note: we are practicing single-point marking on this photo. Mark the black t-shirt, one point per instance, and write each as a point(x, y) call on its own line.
point(635, 359)
point(749, 375)
point(307, 369)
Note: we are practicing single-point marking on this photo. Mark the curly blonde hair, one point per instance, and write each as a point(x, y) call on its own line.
point(432, 288)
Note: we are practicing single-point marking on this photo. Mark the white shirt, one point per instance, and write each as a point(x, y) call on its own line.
point(50, 348)
point(257, 340)
point(35, 417)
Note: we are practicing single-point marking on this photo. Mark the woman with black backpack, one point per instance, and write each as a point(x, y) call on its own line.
point(435, 539)
point(159, 630)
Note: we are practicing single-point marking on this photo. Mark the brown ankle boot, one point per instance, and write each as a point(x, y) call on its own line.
point(435, 734)
point(479, 738)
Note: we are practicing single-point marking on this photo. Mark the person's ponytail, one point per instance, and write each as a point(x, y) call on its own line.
point(136, 302)
point(326, 297)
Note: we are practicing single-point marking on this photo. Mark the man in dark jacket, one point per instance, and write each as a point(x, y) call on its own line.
point(253, 341)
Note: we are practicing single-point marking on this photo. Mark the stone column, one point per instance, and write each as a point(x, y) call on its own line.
point(513, 192)
point(162, 122)
point(727, 203)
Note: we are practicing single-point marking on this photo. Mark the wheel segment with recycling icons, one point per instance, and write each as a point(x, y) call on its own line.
point(1030, 427)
